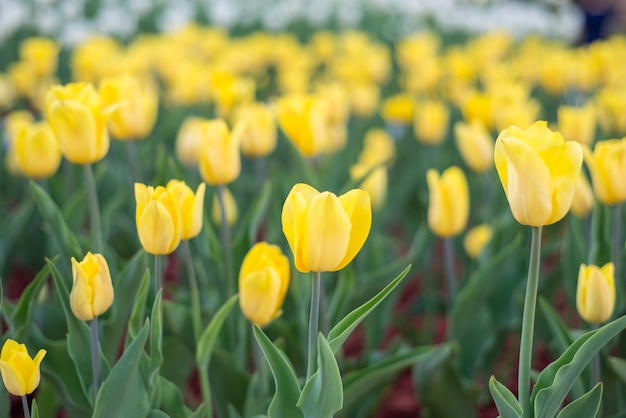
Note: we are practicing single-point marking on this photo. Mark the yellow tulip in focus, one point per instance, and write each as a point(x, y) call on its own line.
point(448, 208)
point(263, 283)
point(595, 293)
point(38, 151)
point(20, 372)
point(41, 54)
point(538, 171)
point(325, 232)
point(577, 123)
point(136, 104)
point(220, 160)
point(190, 206)
point(230, 206)
point(398, 109)
point(76, 115)
point(159, 224)
point(259, 137)
point(304, 121)
point(188, 141)
point(607, 165)
point(431, 122)
point(476, 239)
point(583, 196)
point(92, 291)
point(374, 183)
point(475, 145)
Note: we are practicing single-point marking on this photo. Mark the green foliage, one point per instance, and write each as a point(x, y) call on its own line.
point(586, 406)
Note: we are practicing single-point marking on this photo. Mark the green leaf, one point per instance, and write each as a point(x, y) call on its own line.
point(155, 413)
point(341, 295)
point(587, 406)
point(322, 395)
point(34, 413)
point(340, 332)
point(258, 210)
point(137, 314)
point(555, 381)
point(13, 230)
point(156, 342)
point(124, 392)
point(229, 381)
point(284, 402)
point(505, 401)
point(19, 319)
point(618, 366)
point(172, 399)
point(198, 413)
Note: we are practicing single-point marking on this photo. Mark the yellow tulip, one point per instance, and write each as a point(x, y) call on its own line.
point(220, 161)
point(20, 372)
point(159, 225)
point(364, 98)
point(583, 196)
point(24, 78)
point(431, 122)
point(190, 206)
point(325, 232)
point(378, 147)
point(399, 108)
point(607, 165)
point(611, 106)
point(230, 206)
point(448, 208)
point(476, 239)
point(479, 106)
point(41, 54)
point(188, 141)
point(595, 293)
point(577, 123)
point(538, 172)
point(304, 120)
point(136, 102)
point(38, 151)
point(374, 183)
point(92, 291)
point(475, 145)
point(77, 118)
point(259, 137)
point(263, 283)
point(7, 92)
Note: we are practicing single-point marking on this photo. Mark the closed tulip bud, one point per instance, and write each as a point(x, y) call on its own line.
point(479, 106)
point(158, 219)
point(378, 147)
point(190, 206)
point(188, 141)
point(431, 122)
point(263, 283)
point(92, 291)
point(595, 293)
point(577, 123)
point(38, 151)
point(77, 118)
point(304, 120)
point(448, 208)
point(583, 197)
point(136, 104)
point(220, 160)
point(607, 165)
point(230, 206)
point(259, 137)
point(398, 109)
point(477, 239)
point(475, 144)
point(611, 105)
point(538, 172)
point(20, 372)
point(325, 232)
point(374, 182)
point(41, 54)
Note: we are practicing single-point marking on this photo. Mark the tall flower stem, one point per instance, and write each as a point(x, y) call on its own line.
point(448, 254)
point(528, 323)
point(313, 323)
point(25, 407)
point(95, 355)
point(94, 210)
point(158, 281)
point(225, 236)
point(131, 155)
point(259, 363)
point(617, 243)
point(196, 313)
point(595, 364)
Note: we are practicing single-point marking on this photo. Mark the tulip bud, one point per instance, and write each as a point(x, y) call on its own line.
point(189, 140)
point(41, 54)
point(220, 161)
point(159, 225)
point(304, 120)
point(190, 206)
point(325, 232)
point(263, 283)
point(92, 291)
point(378, 147)
point(475, 145)
point(595, 294)
point(398, 109)
point(364, 98)
point(577, 123)
point(607, 165)
point(38, 151)
point(448, 208)
point(259, 137)
point(431, 122)
point(230, 206)
point(583, 197)
point(20, 372)
point(476, 239)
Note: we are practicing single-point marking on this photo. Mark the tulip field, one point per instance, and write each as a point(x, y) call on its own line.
point(312, 224)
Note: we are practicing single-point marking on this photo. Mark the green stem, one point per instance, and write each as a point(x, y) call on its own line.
point(158, 282)
point(595, 364)
point(94, 210)
point(225, 236)
point(259, 363)
point(205, 387)
point(528, 323)
point(95, 355)
point(313, 323)
point(448, 254)
point(131, 155)
point(25, 406)
point(196, 313)
point(617, 239)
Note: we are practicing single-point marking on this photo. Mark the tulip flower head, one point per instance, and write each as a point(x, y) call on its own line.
point(607, 165)
point(230, 206)
point(263, 283)
point(475, 144)
point(303, 119)
point(577, 123)
point(398, 109)
point(38, 151)
point(325, 232)
point(92, 291)
point(190, 205)
point(430, 122)
point(595, 293)
point(220, 160)
point(189, 140)
point(538, 172)
point(159, 224)
point(448, 208)
point(20, 372)
point(259, 138)
point(583, 197)
point(476, 239)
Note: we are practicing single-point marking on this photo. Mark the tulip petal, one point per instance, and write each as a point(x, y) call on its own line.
point(102, 287)
point(294, 212)
point(259, 296)
point(82, 294)
point(156, 228)
point(357, 206)
point(75, 127)
point(35, 374)
point(11, 377)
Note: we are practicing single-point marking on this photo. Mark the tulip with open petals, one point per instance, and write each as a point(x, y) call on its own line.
point(159, 224)
point(20, 372)
point(190, 206)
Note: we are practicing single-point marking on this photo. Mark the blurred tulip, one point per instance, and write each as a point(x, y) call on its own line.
point(477, 239)
point(38, 151)
point(479, 106)
point(538, 172)
point(595, 293)
point(304, 121)
point(374, 183)
point(41, 54)
point(230, 205)
point(583, 196)
point(577, 123)
point(229, 90)
point(7, 92)
point(607, 165)
point(325, 232)
point(220, 160)
point(76, 115)
point(364, 98)
point(158, 219)
point(259, 137)
point(188, 141)
point(92, 291)
point(20, 372)
point(475, 145)
point(399, 108)
point(431, 122)
point(263, 283)
point(448, 207)
point(378, 147)
point(190, 206)
point(611, 107)
point(24, 78)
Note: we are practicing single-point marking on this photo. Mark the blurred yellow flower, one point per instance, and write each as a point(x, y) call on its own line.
point(611, 107)
point(20, 372)
point(577, 123)
point(373, 180)
point(583, 196)
point(41, 54)
point(38, 151)
point(189, 140)
point(399, 108)
point(260, 136)
point(475, 145)
point(607, 165)
point(220, 159)
point(303, 119)
point(448, 206)
point(431, 122)
point(190, 206)
point(159, 224)
point(7, 92)
point(378, 147)
point(595, 293)
point(476, 239)
point(92, 291)
point(230, 207)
